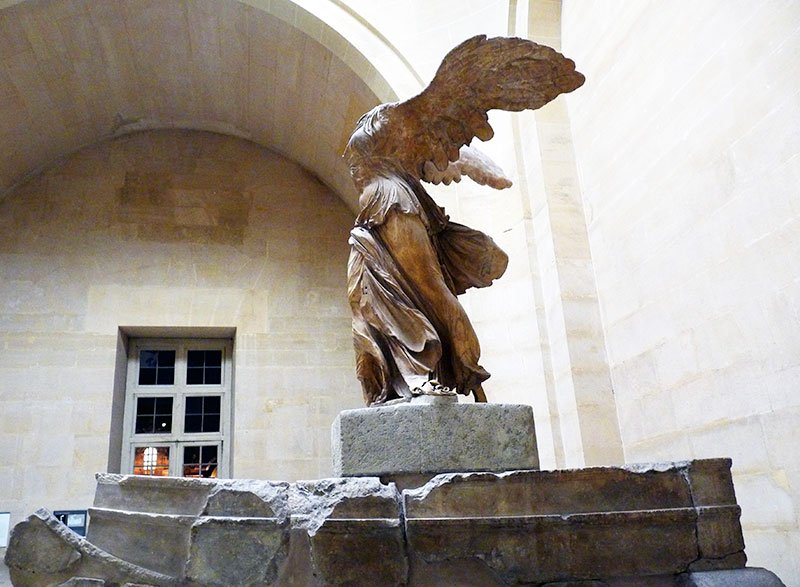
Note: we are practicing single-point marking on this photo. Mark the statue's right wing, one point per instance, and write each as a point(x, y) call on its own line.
point(478, 75)
point(471, 162)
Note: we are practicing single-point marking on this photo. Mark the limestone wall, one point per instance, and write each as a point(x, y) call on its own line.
point(687, 137)
point(169, 229)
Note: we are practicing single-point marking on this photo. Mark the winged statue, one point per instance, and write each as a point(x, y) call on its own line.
point(408, 260)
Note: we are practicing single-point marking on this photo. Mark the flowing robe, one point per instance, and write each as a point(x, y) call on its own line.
point(408, 262)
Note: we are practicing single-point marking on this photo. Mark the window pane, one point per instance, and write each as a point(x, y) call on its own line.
point(213, 375)
point(166, 358)
point(153, 415)
point(202, 414)
point(156, 367)
point(193, 423)
point(194, 376)
point(162, 424)
point(211, 404)
point(144, 425)
point(163, 405)
point(146, 405)
point(211, 424)
point(194, 404)
point(151, 460)
point(200, 461)
point(147, 376)
point(166, 376)
point(195, 358)
point(204, 367)
point(148, 359)
point(191, 454)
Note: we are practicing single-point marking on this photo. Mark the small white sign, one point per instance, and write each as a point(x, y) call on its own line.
point(5, 522)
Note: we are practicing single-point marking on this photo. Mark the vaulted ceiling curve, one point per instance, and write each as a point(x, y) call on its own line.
point(74, 72)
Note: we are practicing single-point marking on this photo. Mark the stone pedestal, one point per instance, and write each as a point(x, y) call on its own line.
point(432, 435)
point(667, 525)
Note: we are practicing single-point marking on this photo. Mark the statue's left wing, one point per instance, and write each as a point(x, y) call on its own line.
point(478, 75)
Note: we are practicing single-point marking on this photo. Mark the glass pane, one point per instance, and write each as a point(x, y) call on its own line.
point(144, 425)
point(202, 413)
point(195, 358)
point(151, 460)
point(163, 405)
point(211, 423)
point(209, 454)
point(191, 454)
point(194, 405)
point(200, 461)
point(162, 424)
point(193, 423)
point(204, 367)
point(153, 415)
point(194, 376)
point(213, 375)
point(146, 405)
point(147, 376)
point(211, 404)
point(166, 376)
point(166, 358)
point(156, 367)
point(148, 359)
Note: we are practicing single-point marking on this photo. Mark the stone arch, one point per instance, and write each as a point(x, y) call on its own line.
point(272, 72)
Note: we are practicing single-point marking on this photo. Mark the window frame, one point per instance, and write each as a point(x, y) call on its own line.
point(176, 439)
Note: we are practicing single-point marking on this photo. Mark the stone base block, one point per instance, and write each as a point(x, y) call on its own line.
point(414, 439)
point(665, 525)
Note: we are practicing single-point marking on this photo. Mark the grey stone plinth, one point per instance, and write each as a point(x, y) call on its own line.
point(436, 437)
point(657, 525)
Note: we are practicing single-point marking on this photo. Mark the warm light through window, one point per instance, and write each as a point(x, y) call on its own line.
point(151, 460)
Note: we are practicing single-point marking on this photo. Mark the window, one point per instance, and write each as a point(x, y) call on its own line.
point(177, 407)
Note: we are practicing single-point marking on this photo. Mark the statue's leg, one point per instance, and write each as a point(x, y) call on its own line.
point(407, 239)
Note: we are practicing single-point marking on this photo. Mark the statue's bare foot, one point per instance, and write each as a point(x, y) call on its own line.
point(432, 387)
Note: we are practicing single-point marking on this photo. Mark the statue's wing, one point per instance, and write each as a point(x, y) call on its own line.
point(479, 75)
point(471, 162)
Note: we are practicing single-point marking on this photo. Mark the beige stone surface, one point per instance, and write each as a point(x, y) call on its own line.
point(169, 228)
point(686, 138)
point(685, 151)
point(75, 72)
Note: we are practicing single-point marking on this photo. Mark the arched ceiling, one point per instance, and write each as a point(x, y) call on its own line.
point(73, 72)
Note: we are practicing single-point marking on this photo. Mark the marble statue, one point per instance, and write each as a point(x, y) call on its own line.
point(408, 260)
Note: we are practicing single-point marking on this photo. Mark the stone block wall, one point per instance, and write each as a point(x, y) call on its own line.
point(687, 138)
point(169, 229)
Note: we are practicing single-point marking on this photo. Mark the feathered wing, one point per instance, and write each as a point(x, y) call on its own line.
point(479, 75)
point(471, 162)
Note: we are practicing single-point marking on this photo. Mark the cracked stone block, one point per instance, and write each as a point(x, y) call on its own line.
point(710, 482)
point(248, 498)
point(314, 502)
point(597, 489)
point(464, 573)
point(157, 495)
point(34, 546)
point(719, 533)
point(43, 536)
point(237, 551)
point(556, 547)
point(159, 542)
point(431, 438)
point(360, 552)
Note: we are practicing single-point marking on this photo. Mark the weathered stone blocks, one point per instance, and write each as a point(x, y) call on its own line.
point(665, 525)
point(236, 551)
point(430, 438)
